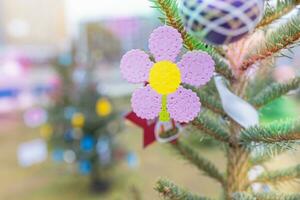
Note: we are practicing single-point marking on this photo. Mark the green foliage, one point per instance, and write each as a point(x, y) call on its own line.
point(212, 127)
point(283, 37)
point(279, 109)
point(282, 131)
point(243, 196)
point(276, 196)
point(207, 101)
point(200, 162)
point(274, 91)
point(273, 13)
point(199, 140)
point(270, 140)
point(265, 196)
point(279, 176)
point(171, 16)
point(170, 191)
point(263, 153)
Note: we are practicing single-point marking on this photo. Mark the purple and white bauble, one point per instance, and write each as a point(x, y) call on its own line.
point(221, 21)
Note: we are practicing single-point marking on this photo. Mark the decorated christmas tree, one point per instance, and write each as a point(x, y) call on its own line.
point(209, 69)
point(84, 124)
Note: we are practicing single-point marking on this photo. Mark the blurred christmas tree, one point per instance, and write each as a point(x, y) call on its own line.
point(243, 37)
point(84, 122)
point(84, 126)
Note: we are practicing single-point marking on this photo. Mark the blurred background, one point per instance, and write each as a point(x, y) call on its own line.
point(59, 62)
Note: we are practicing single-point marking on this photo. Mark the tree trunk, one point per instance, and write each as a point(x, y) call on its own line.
point(237, 170)
point(238, 156)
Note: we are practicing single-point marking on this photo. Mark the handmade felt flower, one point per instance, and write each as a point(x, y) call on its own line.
point(163, 94)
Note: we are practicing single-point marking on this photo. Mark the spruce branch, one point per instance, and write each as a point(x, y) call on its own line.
point(279, 176)
point(200, 162)
point(170, 191)
point(243, 196)
point(265, 196)
point(282, 131)
point(171, 16)
point(207, 100)
point(282, 8)
point(274, 91)
point(211, 127)
point(281, 38)
point(267, 152)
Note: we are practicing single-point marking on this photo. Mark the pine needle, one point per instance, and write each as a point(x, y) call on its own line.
point(278, 131)
point(281, 38)
point(282, 8)
point(279, 176)
point(200, 162)
point(274, 91)
point(170, 191)
point(265, 196)
point(211, 127)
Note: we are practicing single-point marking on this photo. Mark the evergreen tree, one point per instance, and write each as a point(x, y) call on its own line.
point(84, 123)
point(243, 147)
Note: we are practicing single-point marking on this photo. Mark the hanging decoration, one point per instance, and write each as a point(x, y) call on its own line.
point(221, 21)
point(103, 107)
point(87, 143)
point(237, 108)
point(78, 120)
point(164, 96)
point(35, 117)
point(153, 129)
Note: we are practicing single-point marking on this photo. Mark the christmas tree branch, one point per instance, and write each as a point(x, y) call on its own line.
point(200, 162)
point(267, 153)
point(207, 100)
point(243, 196)
point(169, 9)
point(211, 127)
point(170, 191)
point(265, 196)
point(279, 176)
point(272, 133)
point(273, 13)
point(281, 38)
point(274, 91)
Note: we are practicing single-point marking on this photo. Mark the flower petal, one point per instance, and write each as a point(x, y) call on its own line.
point(196, 68)
point(146, 103)
point(165, 43)
point(135, 66)
point(183, 105)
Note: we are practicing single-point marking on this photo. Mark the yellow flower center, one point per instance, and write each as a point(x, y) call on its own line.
point(164, 77)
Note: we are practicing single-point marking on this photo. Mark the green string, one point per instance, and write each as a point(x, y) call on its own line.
point(164, 116)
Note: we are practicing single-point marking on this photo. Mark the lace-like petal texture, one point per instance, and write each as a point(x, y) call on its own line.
point(196, 68)
point(135, 66)
point(165, 43)
point(183, 105)
point(146, 103)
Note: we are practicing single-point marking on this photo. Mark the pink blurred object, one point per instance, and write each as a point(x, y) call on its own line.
point(7, 105)
point(238, 51)
point(35, 117)
point(13, 69)
point(55, 82)
point(125, 27)
point(283, 74)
